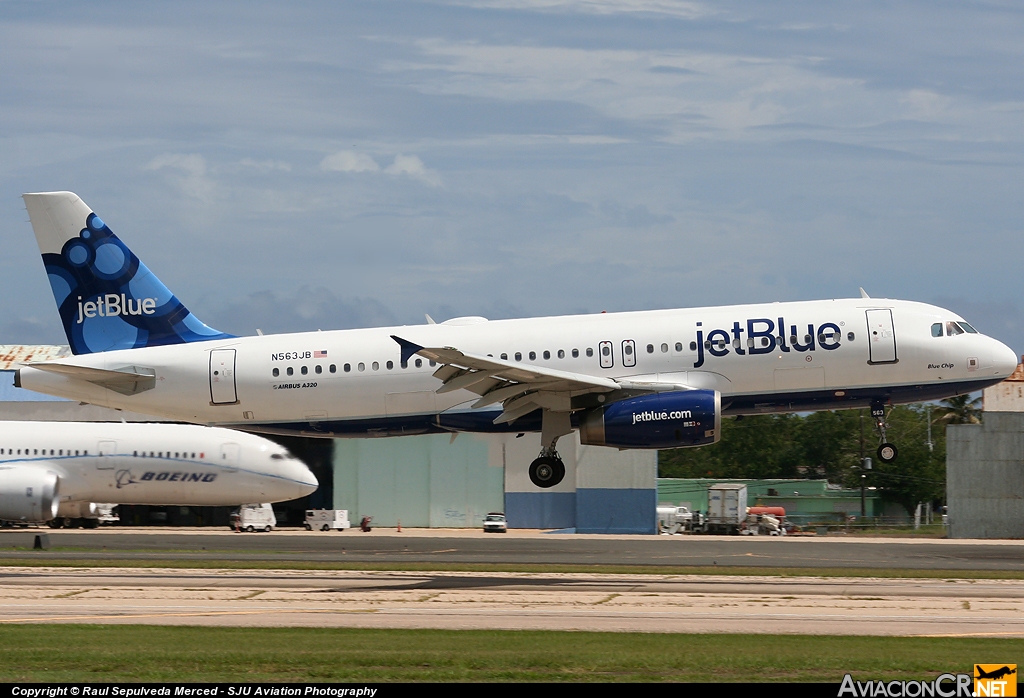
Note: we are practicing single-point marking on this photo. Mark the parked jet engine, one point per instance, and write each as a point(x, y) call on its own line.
point(28, 494)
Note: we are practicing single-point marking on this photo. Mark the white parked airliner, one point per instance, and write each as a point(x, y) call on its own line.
point(652, 379)
point(61, 469)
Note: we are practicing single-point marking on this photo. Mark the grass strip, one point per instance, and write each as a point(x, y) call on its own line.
point(737, 570)
point(79, 653)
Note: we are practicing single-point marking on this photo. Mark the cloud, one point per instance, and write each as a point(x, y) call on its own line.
point(403, 165)
point(413, 167)
point(349, 161)
point(188, 173)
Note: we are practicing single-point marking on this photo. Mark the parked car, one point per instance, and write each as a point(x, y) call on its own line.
point(495, 523)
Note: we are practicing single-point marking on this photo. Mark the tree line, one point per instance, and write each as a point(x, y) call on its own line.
point(830, 445)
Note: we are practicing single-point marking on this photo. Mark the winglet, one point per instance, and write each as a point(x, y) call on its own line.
point(863, 293)
point(408, 348)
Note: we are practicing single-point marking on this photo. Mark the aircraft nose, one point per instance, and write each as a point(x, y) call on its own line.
point(305, 481)
point(1004, 360)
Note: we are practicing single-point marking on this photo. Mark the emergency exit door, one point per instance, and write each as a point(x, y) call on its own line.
point(222, 377)
point(881, 337)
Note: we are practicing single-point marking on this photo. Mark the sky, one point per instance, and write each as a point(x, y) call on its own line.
point(325, 165)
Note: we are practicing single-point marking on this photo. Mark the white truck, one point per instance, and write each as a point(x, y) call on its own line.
point(727, 508)
point(254, 517)
point(327, 519)
point(673, 519)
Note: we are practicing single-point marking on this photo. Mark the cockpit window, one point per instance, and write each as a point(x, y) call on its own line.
point(953, 329)
point(967, 327)
point(282, 456)
point(937, 329)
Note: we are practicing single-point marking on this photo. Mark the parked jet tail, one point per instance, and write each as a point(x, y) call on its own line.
point(107, 298)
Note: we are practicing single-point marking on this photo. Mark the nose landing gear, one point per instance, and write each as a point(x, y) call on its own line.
point(887, 452)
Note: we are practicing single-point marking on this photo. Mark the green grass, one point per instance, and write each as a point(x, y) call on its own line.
point(51, 653)
point(207, 564)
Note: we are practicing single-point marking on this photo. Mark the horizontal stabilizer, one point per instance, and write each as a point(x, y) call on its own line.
point(128, 380)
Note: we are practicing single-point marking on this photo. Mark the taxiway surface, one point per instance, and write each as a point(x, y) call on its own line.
point(517, 548)
point(646, 603)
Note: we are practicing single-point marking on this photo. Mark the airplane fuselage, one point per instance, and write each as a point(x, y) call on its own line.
point(775, 357)
point(141, 463)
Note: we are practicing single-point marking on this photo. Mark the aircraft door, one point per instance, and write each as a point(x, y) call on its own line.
point(604, 350)
point(628, 353)
point(222, 377)
point(881, 337)
point(106, 451)
point(229, 456)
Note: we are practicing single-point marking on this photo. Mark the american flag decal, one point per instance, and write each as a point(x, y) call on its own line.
point(319, 354)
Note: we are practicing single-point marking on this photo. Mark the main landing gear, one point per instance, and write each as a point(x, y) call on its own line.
point(887, 452)
point(547, 470)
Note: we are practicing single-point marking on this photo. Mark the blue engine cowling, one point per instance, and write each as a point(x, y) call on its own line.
point(661, 420)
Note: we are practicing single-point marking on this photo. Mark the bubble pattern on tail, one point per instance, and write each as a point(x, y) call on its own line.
point(108, 299)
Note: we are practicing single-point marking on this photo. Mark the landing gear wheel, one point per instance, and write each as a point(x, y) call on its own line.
point(887, 452)
point(546, 471)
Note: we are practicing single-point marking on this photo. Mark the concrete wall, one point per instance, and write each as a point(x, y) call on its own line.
point(985, 477)
point(430, 481)
point(616, 491)
point(422, 481)
point(528, 506)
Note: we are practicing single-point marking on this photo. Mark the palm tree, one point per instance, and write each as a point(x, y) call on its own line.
point(961, 409)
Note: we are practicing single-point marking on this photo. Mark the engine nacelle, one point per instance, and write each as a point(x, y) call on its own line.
point(660, 420)
point(28, 494)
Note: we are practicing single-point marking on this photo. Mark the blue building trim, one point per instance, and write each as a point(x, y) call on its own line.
point(540, 509)
point(616, 510)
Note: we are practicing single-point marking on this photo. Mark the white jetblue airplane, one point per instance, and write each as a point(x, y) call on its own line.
point(61, 469)
point(653, 379)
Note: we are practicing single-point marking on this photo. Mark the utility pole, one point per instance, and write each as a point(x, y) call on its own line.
point(863, 477)
point(865, 466)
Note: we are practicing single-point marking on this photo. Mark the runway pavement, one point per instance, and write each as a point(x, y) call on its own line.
point(456, 600)
point(517, 547)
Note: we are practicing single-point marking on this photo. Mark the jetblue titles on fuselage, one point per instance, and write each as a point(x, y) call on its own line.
point(763, 336)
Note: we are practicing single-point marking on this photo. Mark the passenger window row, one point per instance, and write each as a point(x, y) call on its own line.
point(35, 452)
point(163, 454)
point(347, 368)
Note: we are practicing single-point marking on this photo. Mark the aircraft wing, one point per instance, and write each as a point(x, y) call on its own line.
point(521, 388)
point(127, 380)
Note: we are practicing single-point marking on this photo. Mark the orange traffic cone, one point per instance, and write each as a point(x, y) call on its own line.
point(399, 525)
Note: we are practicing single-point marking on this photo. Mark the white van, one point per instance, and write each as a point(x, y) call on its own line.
point(254, 517)
point(327, 519)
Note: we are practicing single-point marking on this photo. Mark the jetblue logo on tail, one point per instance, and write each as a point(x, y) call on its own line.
point(108, 299)
point(112, 304)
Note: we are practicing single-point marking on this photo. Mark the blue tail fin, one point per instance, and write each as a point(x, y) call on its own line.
point(107, 298)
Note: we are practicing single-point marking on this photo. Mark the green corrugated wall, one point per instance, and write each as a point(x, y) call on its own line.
point(419, 480)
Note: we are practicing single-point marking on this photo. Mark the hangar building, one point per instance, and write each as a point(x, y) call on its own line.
point(985, 466)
